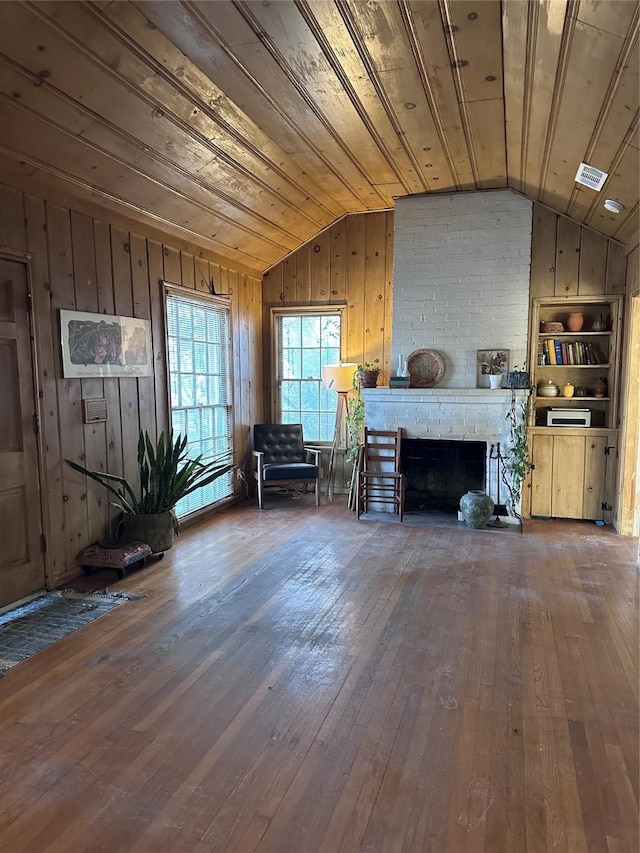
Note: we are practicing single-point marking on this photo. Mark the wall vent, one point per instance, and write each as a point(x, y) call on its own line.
point(591, 177)
point(95, 411)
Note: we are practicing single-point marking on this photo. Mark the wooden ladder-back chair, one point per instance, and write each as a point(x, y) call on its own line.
point(380, 481)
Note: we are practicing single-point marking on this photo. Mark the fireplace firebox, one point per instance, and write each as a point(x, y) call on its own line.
point(439, 472)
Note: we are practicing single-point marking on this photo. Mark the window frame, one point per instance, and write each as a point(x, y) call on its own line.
point(277, 311)
point(220, 301)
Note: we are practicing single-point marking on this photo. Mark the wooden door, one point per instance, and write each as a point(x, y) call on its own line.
point(567, 498)
point(595, 476)
point(21, 559)
point(541, 475)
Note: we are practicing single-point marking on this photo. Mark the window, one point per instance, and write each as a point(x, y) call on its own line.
point(305, 340)
point(199, 355)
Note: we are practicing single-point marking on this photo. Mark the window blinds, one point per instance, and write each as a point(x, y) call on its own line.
point(199, 360)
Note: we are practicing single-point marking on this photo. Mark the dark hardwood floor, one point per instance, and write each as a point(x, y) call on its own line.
point(296, 681)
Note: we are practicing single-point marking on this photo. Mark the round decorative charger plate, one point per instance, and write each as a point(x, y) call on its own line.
point(426, 368)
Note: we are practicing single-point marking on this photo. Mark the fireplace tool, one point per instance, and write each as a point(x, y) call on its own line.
point(498, 457)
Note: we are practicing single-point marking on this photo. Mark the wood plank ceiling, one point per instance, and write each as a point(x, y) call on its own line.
point(247, 127)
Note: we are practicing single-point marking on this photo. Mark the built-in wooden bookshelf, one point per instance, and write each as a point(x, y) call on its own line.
point(572, 475)
point(584, 358)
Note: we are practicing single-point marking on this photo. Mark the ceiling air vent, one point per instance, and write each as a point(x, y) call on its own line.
point(590, 177)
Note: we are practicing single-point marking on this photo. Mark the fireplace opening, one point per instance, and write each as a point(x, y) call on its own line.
point(439, 473)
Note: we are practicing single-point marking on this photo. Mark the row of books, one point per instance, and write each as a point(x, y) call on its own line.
point(551, 351)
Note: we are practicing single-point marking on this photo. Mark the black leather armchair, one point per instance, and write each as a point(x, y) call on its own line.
point(282, 458)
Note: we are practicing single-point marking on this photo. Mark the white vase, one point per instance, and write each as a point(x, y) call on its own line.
point(402, 367)
point(495, 380)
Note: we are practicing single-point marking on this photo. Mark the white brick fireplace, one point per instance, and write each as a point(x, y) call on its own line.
point(460, 284)
point(452, 414)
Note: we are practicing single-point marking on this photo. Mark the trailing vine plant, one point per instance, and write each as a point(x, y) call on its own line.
point(517, 462)
point(355, 428)
point(355, 420)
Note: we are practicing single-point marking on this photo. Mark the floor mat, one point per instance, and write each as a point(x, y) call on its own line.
point(48, 618)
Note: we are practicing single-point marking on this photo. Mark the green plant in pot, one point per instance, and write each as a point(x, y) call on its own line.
point(368, 373)
point(166, 476)
point(355, 421)
point(517, 462)
point(355, 417)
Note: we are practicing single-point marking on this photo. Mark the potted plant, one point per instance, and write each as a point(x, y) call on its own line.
point(355, 421)
point(495, 367)
point(517, 462)
point(166, 476)
point(368, 373)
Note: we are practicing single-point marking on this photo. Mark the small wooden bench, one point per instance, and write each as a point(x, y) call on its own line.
point(117, 555)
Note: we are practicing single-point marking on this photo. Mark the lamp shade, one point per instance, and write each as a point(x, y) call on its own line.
point(338, 377)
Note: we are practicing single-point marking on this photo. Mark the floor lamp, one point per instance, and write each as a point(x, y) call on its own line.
point(338, 378)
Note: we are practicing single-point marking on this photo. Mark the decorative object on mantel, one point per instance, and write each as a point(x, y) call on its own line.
point(518, 379)
point(476, 508)
point(368, 373)
point(399, 382)
point(495, 380)
point(426, 368)
point(491, 362)
point(403, 371)
point(551, 327)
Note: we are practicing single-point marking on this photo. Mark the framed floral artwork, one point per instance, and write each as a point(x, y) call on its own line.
point(490, 362)
point(101, 345)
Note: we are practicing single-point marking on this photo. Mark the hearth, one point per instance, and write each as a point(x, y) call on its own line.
point(439, 472)
point(442, 415)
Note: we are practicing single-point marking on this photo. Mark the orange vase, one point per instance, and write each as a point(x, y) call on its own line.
point(575, 322)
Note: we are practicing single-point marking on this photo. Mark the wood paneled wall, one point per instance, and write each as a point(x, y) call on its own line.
point(350, 263)
point(570, 260)
point(628, 485)
point(85, 264)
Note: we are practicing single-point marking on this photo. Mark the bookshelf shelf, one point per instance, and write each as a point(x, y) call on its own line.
point(574, 334)
point(573, 366)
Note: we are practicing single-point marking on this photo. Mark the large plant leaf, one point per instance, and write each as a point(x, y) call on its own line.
point(166, 474)
point(103, 478)
point(219, 472)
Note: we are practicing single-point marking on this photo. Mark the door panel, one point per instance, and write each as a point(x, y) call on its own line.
point(542, 475)
point(568, 476)
point(595, 476)
point(21, 562)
